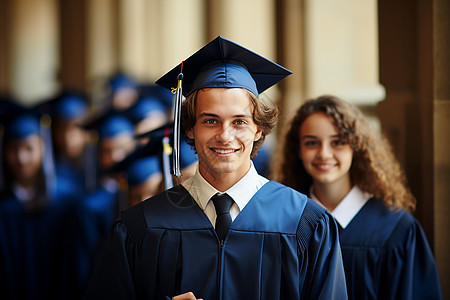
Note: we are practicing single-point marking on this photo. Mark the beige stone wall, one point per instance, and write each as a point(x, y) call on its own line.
point(33, 49)
point(441, 123)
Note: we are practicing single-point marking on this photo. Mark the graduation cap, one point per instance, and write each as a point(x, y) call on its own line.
point(68, 105)
point(120, 81)
point(110, 124)
point(160, 92)
point(223, 63)
point(139, 169)
point(220, 64)
point(144, 107)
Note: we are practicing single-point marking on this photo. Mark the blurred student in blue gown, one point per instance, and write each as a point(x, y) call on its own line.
point(37, 213)
point(115, 142)
point(122, 92)
point(148, 168)
point(266, 241)
point(144, 178)
point(331, 153)
point(74, 150)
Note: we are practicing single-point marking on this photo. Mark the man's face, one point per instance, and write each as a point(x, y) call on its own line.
point(224, 132)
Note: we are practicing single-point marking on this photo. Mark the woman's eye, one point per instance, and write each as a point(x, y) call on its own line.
point(240, 122)
point(338, 142)
point(310, 143)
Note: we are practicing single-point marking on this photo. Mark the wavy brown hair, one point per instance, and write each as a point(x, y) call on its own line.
point(264, 116)
point(374, 168)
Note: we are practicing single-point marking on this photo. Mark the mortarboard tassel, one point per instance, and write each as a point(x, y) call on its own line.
point(177, 123)
point(48, 160)
point(167, 151)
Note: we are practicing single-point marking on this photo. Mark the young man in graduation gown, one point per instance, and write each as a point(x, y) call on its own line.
point(227, 232)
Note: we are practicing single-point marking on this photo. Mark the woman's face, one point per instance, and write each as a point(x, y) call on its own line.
point(324, 155)
point(24, 158)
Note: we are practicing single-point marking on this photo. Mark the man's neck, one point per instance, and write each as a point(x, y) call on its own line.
point(222, 181)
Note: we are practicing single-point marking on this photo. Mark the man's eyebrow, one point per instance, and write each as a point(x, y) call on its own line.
point(203, 115)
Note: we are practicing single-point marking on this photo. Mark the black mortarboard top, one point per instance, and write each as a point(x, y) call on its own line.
point(223, 63)
point(160, 92)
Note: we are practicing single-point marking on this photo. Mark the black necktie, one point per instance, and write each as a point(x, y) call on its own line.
point(222, 203)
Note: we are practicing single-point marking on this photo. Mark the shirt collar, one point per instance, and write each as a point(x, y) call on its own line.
point(349, 207)
point(241, 192)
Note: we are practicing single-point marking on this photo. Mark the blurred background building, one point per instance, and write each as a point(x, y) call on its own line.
point(391, 58)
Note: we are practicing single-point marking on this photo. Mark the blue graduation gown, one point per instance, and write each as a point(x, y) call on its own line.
point(386, 256)
point(37, 254)
point(282, 245)
point(97, 212)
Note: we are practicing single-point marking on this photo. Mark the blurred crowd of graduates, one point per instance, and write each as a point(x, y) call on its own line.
point(67, 169)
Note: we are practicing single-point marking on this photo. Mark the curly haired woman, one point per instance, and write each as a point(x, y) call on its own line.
point(331, 153)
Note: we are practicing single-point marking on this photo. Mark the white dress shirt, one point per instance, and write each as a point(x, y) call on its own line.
point(349, 207)
point(241, 192)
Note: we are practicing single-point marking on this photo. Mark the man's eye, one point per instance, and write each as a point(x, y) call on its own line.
point(210, 121)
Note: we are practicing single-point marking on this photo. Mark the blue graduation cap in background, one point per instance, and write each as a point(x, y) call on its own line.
point(70, 106)
point(144, 107)
point(138, 169)
point(121, 80)
point(67, 105)
point(109, 124)
point(220, 64)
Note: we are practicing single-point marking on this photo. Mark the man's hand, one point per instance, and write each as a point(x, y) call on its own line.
point(186, 296)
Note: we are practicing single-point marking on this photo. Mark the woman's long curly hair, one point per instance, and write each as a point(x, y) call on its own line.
point(374, 168)
point(264, 116)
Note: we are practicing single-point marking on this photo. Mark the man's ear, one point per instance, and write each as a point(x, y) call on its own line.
point(190, 133)
point(258, 133)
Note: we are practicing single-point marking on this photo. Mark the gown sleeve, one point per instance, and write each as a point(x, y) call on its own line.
point(319, 243)
point(410, 270)
point(111, 277)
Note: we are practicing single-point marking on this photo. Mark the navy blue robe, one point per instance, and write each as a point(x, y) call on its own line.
point(282, 245)
point(97, 212)
point(37, 257)
point(386, 256)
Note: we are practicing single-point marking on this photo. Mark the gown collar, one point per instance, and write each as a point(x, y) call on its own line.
point(349, 207)
point(241, 192)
